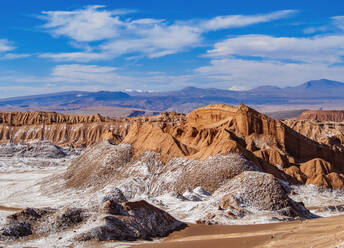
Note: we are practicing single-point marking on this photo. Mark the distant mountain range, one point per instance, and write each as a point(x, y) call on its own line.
point(310, 93)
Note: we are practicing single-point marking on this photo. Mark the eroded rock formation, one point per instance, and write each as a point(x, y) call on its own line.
point(323, 115)
point(72, 130)
point(221, 129)
point(215, 179)
point(328, 133)
point(272, 145)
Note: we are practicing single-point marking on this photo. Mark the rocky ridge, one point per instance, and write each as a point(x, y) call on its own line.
point(323, 115)
point(208, 131)
point(221, 129)
point(328, 133)
point(71, 130)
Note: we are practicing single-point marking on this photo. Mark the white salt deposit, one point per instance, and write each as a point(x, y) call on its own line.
point(21, 183)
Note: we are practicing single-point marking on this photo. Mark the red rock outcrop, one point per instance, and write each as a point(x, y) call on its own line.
point(316, 167)
point(323, 115)
point(72, 130)
point(47, 118)
point(221, 129)
point(328, 133)
point(215, 129)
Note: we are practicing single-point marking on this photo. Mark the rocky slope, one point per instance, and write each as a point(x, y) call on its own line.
point(34, 154)
point(114, 220)
point(201, 185)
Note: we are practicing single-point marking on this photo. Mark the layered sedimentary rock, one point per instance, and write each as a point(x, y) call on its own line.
point(217, 165)
point(323, 115)
point(71, 130)
point(208, 131)
point(221, 129)
point(328, 133)
point(46, 118)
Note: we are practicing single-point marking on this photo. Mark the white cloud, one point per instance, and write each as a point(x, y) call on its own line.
point(313, 30)
point(148, 36)
point(156, 41)
point(75, 56)
point(226, 73)
point(253, 73)
point(89, 24)
point(235, 21)
point(336, 24)
point(324, 49)
point(252, 60)
point(339, 21)
point(5, 51)
point(9, 56)
point(5, 46)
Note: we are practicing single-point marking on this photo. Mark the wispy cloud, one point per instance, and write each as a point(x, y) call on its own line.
point(318, 29)
point(320, 49)
point(257, 59)
point(10, 56)
point(253, 60)
point(339, 21)
point(149, 37)
point(249, 73)
point(335, 25)
point(76, 56)
point(237, 62)
point(5, 46)
point(236, 21)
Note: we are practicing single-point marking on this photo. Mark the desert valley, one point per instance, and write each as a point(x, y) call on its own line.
point(172, 124)
point(206, 177)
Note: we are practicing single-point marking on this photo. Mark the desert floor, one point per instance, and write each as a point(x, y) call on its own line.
point(322, 232)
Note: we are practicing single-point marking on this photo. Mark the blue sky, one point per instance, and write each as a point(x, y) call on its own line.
point(50, 46)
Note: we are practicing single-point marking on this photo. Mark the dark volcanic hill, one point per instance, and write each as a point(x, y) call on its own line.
point(317, 92)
